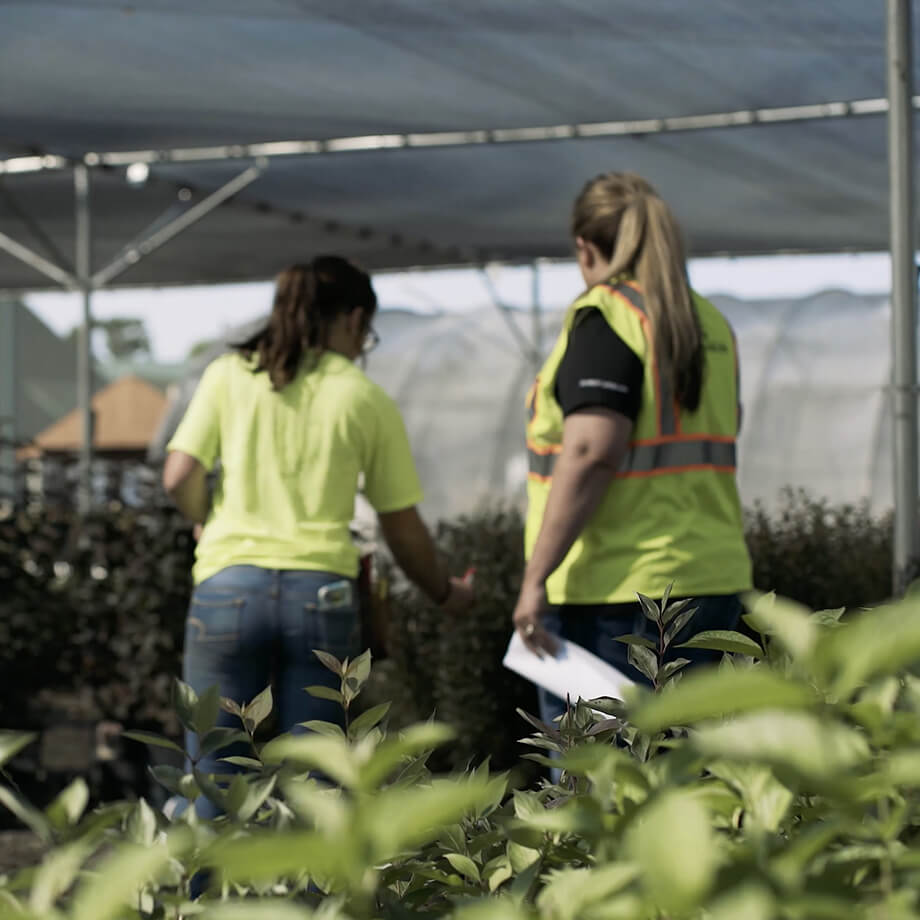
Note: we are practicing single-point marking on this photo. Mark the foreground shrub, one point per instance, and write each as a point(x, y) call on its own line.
point(780, 785)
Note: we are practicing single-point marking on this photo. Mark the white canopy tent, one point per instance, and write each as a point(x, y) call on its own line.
point(414, 133)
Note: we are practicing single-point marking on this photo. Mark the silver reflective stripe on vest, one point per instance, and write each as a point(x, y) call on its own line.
point(667, 422)
point(672, 456)
point(651, 458)
point(541, 464)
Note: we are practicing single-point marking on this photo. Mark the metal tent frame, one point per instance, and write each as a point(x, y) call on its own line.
point(898, 106)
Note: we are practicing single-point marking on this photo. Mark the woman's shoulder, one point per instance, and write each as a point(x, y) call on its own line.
point(351, 381)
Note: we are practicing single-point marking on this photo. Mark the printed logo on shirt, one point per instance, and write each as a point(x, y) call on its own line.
point(595, 383)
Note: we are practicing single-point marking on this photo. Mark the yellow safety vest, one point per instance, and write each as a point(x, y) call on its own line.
point(672, 513)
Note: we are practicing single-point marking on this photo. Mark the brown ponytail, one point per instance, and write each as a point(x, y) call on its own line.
point(307, 298)
point(633, 227)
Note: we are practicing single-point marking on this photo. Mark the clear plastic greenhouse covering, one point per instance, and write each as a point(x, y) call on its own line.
point(814, 376)
point(384, 91)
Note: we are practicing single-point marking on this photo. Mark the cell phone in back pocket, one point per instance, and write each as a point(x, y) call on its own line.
point(337, 595)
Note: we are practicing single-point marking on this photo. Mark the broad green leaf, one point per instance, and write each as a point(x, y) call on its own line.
point(11, 743)
point(724, 640)
point(103, 895)
point(644, 660)
point(325, 693)
point(793, 860)
point(672, 839)
point(880, 641)
point(666, 598)
point(499, 875)
point(316, 752)
point(316, 805)
point(330, 662)
point(142, 824)
point(522, 857)
point(670, 668)
point(396, 818)
point(56, 874)
point(250, 763)
point(217, 739)
point(360, 668)
point(787, 623)
point(649, 608)
point(257, 791)
point(392, 752)
point(902, 768)
point(29, 815)
point(493, 908)
point(206, 710)
point(262, 909)
point(577, 816)
point(324, 728)
point(69, 805)
point(184, 701)
point(674, 609)
point(367, 720)
point(571, 893)
point(766, 800)
point(167, 776)
point(709, 694)
point(153, 739)
point(680, 621)
point(230, 706)
point(798, 743)
point(270, 855)
point(236, 793)
point(464, 865)
point(747, 902)
point(256, 712)
point(633, 639)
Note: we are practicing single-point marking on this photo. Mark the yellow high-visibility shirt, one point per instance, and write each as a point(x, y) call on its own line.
point(290, 463)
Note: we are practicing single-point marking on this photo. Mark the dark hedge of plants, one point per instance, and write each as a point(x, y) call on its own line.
point(822, 555)
point(92, 610)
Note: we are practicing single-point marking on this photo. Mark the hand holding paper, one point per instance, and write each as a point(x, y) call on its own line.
point(572, 671)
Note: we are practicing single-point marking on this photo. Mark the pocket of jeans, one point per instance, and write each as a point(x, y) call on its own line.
point(215, 619)
point(338, 630)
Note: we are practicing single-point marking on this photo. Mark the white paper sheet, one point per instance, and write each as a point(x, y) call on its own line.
point(574, 671)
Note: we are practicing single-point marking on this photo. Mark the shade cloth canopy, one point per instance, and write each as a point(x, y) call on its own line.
point(97, 76)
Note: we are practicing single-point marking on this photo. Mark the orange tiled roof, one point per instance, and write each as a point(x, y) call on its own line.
point(127, 412)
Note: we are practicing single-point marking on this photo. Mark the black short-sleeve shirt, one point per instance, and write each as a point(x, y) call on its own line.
point(598, 369)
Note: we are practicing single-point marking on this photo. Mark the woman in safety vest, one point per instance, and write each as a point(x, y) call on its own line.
point(631, 438)
point(295, 425)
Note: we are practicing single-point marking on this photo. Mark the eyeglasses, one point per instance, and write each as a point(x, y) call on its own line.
point(371, 341)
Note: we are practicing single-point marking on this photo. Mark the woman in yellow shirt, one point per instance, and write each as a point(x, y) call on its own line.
point(292, 427)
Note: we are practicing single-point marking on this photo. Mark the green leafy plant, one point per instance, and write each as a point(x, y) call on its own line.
point(781, 784)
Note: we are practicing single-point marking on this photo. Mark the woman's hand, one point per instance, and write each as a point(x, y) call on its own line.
point(460, 595)
point(528, 620)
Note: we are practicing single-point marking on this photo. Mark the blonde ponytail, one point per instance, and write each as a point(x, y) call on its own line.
point(633, 227)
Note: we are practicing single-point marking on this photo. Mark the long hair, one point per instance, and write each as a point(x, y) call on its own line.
point(308, 297)
point(633, 227)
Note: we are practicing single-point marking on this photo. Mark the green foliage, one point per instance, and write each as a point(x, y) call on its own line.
point(777, 785)
point(92, 616)
point(822, 555)
point(452, 666)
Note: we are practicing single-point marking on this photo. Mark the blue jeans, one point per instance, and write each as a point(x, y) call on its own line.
point(250, 627)
point(596, 626)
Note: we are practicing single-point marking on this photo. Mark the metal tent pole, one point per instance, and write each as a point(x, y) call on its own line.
point(8, 399)
point(537, 315)
point(903, 289)
point(83, 262)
